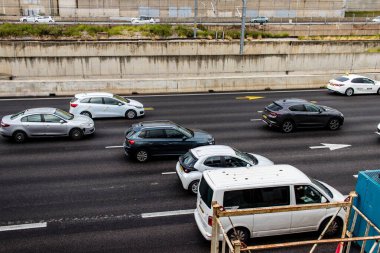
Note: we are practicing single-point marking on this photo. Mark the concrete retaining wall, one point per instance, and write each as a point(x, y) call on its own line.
point(64, 68)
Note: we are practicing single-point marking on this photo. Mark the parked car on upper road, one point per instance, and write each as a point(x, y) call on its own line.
point(143, 20)
point(102, 105)
point(261, 20)
point(190, 166)
point(37, 19)
point(45, 122)
point(289, 114)
point(162, 138)
point(354, 84)
point(376, 19)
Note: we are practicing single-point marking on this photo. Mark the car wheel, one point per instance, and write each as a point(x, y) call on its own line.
point(378, 92)
point(130, 114)
point(19, 136)
point(349, 92)
point(287, 126)
point(239, 233)
point(86, 113)
point(24, 20)
point(142, 156)
point(193, 187)
point(334, 124)
point(76, 134)
point(334, 229)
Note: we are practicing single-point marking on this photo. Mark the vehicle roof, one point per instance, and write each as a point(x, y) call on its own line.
point(93, 94)
point(40, 110)
point(212, 150)
point(290, 101)
point(154, 123)
point(351, 76)
point(238, 178)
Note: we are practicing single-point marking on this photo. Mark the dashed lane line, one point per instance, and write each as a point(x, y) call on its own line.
point(111, 147)
point(255, 119)
point(23, 226)
point(168, 173)
point(167, 213)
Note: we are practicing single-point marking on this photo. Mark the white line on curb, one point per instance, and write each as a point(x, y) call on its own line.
point(109, 147)
point(23, 226)
point(168, 213)
point(168, 173)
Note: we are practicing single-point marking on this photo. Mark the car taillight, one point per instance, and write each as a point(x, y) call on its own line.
point(131, 142)
point(187, 170)
point(272, 114)
point(209, 221)
point(347, 199)
point(4, 125)
point(73, 105)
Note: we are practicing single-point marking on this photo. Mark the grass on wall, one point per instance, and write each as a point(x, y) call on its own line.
point(364, 14)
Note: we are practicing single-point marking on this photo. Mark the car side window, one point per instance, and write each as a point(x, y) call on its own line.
point(214, 161)
point(260, 197)
point(311, 108)
point(32, 118)
point(172, 133)
point(368, 81)
point(357, 80)
point(233, 162)
point(306, 194)
point(85, 100)
point(96, 100)
point(297, 108)
point(110, 101)
point(155, 134)
point(51, 118)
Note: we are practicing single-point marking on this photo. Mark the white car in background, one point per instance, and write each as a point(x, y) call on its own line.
point(192, 164)
point(354, 84)
point(376, 19)
point(104, 105)
point(37, 19)
point(143, 20)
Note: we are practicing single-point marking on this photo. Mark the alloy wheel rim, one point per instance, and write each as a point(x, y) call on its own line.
point(131, 114)
point(194, 187)
point(239, 235)
point(19, 137)
point(333, 228)
point(142, 156)
point(287, 127)
point(334, 124)
point(349, 92)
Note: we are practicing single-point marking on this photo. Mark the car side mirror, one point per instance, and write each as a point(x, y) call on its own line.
point(323, 200)
point(320, 110)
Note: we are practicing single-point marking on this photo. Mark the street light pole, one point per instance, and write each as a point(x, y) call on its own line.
point(242, 34)
point(195, 17)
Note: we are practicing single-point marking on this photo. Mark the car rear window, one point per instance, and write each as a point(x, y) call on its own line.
point(129, 132)
point(205, 192)
point(73, 99)
point(17, 114)
point(274, 107)
point(188, 159)
point(341, 79)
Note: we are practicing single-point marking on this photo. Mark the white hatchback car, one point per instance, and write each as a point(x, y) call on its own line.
point(103, 105)
point(143, 20)
point(191, 165)
point(354, 84)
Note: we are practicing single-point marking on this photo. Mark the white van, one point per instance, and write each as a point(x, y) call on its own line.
point(265, 186)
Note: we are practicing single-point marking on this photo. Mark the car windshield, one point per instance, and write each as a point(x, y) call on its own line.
point(17, 114)
point(323, 187)
point(341, 79)
point(121, 98)
point(185, 131)
point(246, 157)
point(63, 114)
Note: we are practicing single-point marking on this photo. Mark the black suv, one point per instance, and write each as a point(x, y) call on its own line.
point(288, 114)
point(162, 138)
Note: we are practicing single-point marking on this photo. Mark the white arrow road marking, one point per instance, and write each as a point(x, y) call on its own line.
point(168, 213)
point(109, 147)
point(23, 226)
point(255, 120)
point(331, 146)
point(168, 173)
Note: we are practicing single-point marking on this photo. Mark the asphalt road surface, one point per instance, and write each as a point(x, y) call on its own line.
point(87, 196)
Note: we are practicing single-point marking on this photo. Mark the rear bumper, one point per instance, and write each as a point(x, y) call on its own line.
point(339, 89)
point(4, 132)
point(200, 226)
point(269, 122)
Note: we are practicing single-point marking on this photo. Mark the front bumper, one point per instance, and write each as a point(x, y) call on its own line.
point(88, 131)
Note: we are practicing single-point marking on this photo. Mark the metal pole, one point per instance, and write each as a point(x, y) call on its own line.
point(242, 34)
point(195, 17)
point(3, 8)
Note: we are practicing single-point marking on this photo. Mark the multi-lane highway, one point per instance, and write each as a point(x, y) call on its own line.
point(86, 196)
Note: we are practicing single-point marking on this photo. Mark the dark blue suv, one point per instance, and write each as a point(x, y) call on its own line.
point(162, 138)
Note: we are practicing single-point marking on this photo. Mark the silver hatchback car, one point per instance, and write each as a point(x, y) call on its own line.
point(45, 122)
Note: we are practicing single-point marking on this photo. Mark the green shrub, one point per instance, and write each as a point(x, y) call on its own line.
point(233, 34)
point(163, 31)
point(184, 31)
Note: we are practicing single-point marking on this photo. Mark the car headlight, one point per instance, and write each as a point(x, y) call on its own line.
point(139, 107)
point(87, 125)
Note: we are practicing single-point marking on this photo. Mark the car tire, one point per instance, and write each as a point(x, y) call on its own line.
point(334, 229)
point(24, 20)
point(287, 126)
point(76, 134)
point(86, 113)
point(333, 124)
point(19, 136)
point(349, 92)
point(142, 156)
point(378, 92)
point(131, 114)
point(242, 234)
point(193, 187)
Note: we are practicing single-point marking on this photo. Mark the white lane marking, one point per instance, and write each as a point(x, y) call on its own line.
point(175, 95)
point(109, 147)
point(168, 213)
point(168, 173)
point(355, 176)
point(260, 111)
point(331, 146)
point(23, 226)
point(255, 119)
